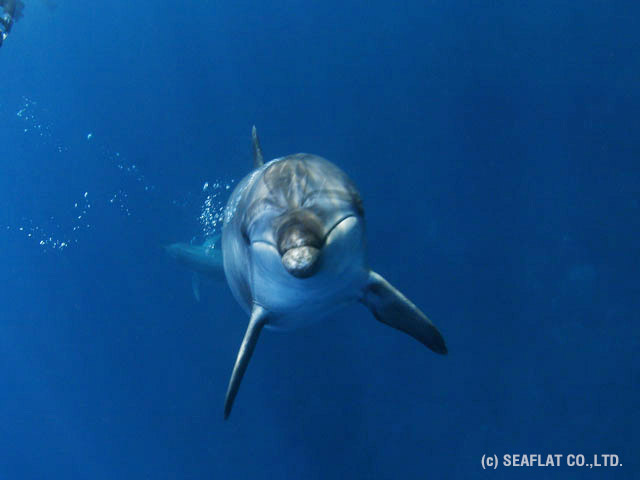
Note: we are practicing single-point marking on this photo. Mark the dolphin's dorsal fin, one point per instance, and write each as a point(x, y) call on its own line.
point(391, 307)
point(258, 320)
point(258, 160)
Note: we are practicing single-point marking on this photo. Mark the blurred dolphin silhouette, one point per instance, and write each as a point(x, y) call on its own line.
point(205, 259)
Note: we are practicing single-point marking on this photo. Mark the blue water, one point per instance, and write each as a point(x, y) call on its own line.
point(496, 148)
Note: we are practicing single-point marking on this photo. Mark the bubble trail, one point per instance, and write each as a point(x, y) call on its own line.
point(62, 229)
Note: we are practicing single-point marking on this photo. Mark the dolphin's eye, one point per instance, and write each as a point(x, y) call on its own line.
point(245, 233)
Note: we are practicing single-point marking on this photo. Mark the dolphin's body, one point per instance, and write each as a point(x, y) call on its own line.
point(293, 245)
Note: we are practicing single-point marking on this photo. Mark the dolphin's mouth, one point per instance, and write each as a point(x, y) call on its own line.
point(335, 225)
point(300, 248)
point(301, 252)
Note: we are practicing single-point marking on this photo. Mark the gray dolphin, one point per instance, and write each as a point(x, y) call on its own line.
point(293, 247)
point(205, 259)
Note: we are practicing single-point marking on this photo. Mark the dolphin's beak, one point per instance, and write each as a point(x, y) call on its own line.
point(301, 262)
point(300, 242)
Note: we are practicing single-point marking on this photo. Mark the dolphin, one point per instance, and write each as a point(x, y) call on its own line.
point(293, 249)
point(205, 259)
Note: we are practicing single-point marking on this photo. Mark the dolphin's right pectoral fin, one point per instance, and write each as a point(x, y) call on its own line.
point(258, 319)
point(391, 307)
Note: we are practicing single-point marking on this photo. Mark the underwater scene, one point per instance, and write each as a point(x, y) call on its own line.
point(319, 240)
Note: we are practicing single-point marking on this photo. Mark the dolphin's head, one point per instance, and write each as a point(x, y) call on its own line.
point(295, 206)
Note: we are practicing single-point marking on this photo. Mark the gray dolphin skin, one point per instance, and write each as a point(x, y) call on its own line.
point(293, 247)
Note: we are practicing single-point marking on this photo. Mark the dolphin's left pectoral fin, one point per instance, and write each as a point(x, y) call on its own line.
point(258, 319)
point(391, 307)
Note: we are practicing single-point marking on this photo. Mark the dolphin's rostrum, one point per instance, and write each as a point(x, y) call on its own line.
point(293, 248)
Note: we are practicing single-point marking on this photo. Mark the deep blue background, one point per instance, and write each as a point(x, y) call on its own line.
point(497, 149)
